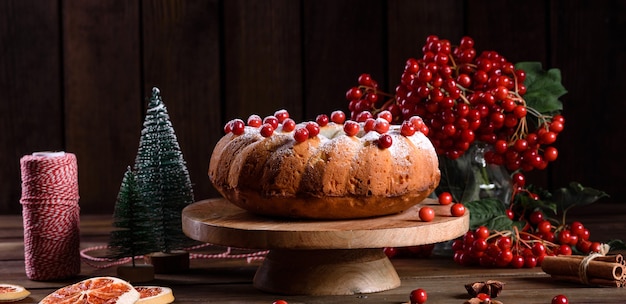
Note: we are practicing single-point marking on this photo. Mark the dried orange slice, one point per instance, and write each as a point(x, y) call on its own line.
point(96, 290)
point(154, 295)
point(12, 293)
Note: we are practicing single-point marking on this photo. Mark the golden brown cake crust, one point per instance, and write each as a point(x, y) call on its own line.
point(329, 176)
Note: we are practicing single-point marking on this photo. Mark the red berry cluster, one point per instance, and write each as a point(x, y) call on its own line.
point(525, 248)
point(463, 97)
point(281, 122)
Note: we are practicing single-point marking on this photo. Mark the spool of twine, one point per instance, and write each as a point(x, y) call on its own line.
point(51, 215)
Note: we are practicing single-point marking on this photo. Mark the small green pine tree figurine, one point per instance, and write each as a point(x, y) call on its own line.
point(163, 181)
point(134, 233)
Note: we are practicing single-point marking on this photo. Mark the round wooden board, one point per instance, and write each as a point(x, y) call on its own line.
point(342, 257)
point(219, 222)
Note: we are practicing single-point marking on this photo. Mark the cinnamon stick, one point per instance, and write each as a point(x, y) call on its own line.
point(565, 266)
point(616, 258)
point(591, 281)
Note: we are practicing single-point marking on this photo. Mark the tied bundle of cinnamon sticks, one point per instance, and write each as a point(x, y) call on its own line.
point(595, 269)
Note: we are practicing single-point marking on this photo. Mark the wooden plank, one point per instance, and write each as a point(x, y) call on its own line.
point(31, 108)
point(587, 48)
point(230, 280)
point(181, 57)
point(342, 39)
point(262, 58)
point(233, 285)
point(446, 291)
point(12, 250)
point(102, 100)
point(517, 30)
point(98, 69)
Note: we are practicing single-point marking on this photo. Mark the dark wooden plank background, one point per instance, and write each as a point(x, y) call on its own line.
point(75, 75)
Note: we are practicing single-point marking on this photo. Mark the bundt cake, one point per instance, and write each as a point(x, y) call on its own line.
point(327, 169)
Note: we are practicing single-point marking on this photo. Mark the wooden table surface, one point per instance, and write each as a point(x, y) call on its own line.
point(230, 280)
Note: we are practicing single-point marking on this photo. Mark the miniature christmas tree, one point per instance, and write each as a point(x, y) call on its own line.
point(131, 217)
point(163, 180)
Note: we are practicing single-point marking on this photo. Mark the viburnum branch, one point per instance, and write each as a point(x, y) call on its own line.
point(499, 234)
point(521, 131)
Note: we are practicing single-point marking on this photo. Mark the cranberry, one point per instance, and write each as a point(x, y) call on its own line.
point(385, 141)
point(418, 296)
point(560, 299)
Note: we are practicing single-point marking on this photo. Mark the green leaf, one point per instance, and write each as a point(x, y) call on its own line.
point(500, 223)
point(616, 245)
point(483, 211)
point(543, 88)
point(532, 204)
point(576, 195)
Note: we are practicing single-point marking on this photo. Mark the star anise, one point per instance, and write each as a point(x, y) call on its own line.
point(490, 287)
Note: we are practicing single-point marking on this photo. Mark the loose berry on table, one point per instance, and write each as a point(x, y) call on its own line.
point(560, 299)
point(418, 296)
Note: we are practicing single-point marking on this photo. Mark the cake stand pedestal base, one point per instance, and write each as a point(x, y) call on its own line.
point(326, 272)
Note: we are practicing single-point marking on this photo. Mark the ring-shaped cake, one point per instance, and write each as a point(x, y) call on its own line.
point(326, 169)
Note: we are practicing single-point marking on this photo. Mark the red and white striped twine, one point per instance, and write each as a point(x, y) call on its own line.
point(102, 263)
point(51, 215)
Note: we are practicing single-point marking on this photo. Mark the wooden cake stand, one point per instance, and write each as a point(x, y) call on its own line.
point(307, 257)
